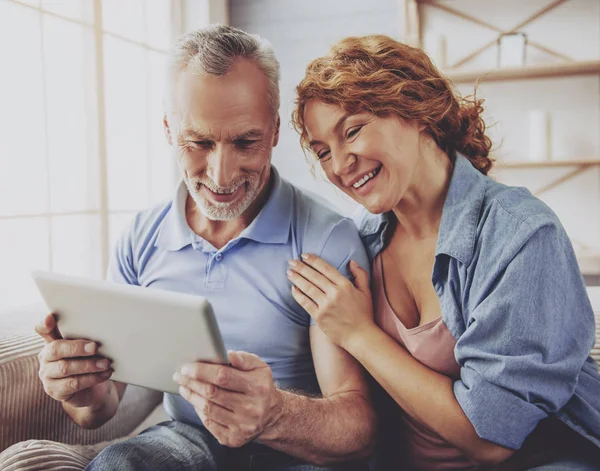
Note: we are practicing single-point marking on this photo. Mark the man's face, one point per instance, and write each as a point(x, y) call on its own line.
point(223, 132)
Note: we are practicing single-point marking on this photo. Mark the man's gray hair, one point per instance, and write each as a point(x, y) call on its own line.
point(213, 50)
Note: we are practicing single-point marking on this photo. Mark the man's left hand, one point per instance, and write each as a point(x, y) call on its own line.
point(236, 402)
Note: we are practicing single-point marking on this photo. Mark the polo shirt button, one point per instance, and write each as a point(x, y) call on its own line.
point(218, 257)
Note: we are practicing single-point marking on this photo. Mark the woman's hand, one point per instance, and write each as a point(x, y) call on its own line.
point(341, 309)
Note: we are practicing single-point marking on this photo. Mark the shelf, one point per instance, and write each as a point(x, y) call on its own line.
point(589, 262)
point(527, 72)
point(547, 163)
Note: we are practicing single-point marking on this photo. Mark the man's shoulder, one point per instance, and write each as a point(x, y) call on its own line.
point(313, 210)
point(146, 223)
point(321, 229)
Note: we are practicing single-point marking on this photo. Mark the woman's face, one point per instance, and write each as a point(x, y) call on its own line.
point(371, 159)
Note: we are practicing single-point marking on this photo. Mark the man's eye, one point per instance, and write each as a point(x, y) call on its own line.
point(201, 144)
point(322, 155)
point(245, 142)
point(353, 131)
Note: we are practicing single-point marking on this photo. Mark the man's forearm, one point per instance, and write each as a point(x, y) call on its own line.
point(323, 430)
point(101, 411)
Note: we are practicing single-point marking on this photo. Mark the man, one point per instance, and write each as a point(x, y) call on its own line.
point(228, 234)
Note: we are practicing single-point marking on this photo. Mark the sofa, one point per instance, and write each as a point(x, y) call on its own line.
point(35, 434)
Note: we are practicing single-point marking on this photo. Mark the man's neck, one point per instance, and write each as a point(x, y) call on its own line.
point(219, 233)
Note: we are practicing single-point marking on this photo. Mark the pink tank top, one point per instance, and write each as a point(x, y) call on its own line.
point(433, 345)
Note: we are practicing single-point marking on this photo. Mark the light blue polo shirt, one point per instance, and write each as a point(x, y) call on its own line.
point(245, 281)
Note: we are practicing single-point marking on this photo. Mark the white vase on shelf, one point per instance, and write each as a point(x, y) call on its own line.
point(539, 135)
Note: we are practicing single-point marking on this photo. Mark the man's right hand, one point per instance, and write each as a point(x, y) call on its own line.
point(70, 370)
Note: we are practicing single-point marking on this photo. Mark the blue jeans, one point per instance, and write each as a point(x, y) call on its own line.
point(570, 465)
point(175, 445)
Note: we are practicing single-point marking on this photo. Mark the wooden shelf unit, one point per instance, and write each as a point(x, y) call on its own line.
point(547, 163)
point(526, 72)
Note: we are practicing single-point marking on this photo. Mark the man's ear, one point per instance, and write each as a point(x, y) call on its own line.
point(167, 129)
point(276, 136)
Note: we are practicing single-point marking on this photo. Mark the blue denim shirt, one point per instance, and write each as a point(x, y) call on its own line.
point(512, 295)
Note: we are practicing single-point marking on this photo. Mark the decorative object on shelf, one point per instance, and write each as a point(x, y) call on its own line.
point(414, 34)
point(539, 135)
point(511, 49)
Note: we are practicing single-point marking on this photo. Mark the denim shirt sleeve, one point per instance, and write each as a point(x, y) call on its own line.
point(529, 330)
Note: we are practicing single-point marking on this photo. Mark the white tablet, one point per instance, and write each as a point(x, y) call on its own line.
point(147, 333)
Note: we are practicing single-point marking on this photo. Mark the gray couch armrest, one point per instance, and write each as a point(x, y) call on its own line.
point(27, 412)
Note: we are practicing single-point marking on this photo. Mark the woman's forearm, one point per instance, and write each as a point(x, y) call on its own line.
point(424, 394)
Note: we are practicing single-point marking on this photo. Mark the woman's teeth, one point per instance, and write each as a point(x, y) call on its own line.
point(366, 178)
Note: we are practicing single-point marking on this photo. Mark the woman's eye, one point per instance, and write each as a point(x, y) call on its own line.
point(323, 154)
point(353, 131)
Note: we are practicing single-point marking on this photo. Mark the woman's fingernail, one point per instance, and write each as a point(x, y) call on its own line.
point(176, 377)
point(182, 391)
point(293, 263)
point(102, 364)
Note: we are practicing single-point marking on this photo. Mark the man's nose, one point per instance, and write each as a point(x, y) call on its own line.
point(221, 166)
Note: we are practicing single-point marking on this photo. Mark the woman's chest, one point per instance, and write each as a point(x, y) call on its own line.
point(407, 282)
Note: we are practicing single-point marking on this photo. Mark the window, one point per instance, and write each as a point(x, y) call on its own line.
point(81, 141)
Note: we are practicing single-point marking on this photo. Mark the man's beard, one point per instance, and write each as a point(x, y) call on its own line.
point(216, 211)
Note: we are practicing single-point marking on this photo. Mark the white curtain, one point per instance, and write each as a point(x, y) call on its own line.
point(81, 141)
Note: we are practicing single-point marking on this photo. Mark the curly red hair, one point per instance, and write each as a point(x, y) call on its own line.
point(385, 77)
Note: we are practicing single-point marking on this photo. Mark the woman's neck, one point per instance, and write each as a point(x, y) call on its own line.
point(419, 212)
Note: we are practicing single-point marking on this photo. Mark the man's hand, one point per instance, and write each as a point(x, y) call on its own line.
point(70, 370)
point(236, 403)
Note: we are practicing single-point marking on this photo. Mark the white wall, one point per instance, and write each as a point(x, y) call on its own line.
point(573, 103)
point(303, 30)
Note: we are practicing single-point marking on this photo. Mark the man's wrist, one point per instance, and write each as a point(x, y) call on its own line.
point(272, 428)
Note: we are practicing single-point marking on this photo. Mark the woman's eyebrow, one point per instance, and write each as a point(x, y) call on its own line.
point(337, 125)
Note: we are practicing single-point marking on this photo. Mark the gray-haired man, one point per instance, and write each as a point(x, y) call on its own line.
point(228, 234)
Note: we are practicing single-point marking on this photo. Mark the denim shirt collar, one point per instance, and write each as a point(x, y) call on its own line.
point(270, 226)
point(458, 226)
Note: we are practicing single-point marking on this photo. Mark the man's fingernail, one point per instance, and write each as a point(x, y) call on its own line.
point(185, 370)
point(90, 347)
point(182, 391)
point(293, 263)
point(305, 256)
point(176, 377)
point(102, 364)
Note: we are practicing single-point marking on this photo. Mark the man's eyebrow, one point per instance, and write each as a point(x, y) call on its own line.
point(250, 134)
point(339, 123)
point(195, 134)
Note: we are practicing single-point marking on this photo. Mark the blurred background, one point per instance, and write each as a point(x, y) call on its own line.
point(81, 85)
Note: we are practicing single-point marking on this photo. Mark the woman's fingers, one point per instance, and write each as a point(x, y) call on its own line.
point(308, 287)
point(308, 304)
point(361, 278)
point(324, 269)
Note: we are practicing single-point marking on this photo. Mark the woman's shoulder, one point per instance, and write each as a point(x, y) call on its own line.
point(512, 213)
point(372, 229)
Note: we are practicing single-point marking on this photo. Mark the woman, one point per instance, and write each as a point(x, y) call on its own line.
point(476, 322)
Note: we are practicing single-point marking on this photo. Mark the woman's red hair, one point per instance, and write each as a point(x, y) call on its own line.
point(385, 77)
